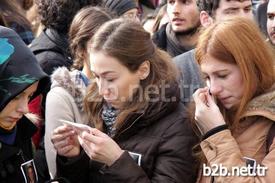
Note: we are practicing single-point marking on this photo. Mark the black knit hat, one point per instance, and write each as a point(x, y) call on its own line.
point(119, 6)
point(19, 68)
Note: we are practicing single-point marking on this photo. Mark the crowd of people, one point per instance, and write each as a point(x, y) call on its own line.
point(137, 91)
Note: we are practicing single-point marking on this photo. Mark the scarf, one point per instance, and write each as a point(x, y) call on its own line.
point(173, 46)
point(8, 137)
point(108, 116)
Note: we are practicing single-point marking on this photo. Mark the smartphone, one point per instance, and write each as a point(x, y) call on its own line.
point(77, 126)
point(250, 162)
point(208, 84)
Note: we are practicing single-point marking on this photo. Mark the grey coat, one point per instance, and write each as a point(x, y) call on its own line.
point(190, 76)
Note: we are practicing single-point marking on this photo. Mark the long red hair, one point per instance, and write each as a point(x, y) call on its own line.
point(239, 41)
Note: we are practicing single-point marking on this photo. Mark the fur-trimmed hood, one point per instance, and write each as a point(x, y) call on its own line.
point(263, 105)
point(71, 81)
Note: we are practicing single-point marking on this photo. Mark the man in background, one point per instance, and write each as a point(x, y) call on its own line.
point(271, 21)
point(210, 11)
point(181, 32)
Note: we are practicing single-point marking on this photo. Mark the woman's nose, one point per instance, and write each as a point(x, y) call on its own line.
point(23, 106)
point(102, 88)
point(215, 88)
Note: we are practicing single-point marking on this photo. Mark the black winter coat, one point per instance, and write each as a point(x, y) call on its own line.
point(12, 156)
point(51, 50)
point(160, 38)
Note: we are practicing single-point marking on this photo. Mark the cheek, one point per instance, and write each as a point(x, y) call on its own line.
point(269, 25)
point(119, 88)
point(127, 87)
point(169, 12)
point(192, 9)
point(238, 86)
point(8, 110)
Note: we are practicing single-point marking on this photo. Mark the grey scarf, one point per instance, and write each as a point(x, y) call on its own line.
point(173, 46)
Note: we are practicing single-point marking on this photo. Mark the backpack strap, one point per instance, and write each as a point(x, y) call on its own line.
point(270, 136)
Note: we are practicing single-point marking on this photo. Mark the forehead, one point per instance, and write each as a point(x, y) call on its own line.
point(211, 64)
point(271, 6)
point(169, 4)
point(101, 63)
point(31, 88)
point(234, 3)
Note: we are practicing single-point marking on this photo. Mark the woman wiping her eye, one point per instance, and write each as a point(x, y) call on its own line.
point(236, 130)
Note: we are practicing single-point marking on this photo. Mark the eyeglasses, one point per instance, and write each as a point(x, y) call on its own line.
point(132, 15)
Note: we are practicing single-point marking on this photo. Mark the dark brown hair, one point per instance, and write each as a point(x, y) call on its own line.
point(12, 14)
point(2, 20)
point(83, 27)
point(58, 14)
point(131, 45)
point(159, 17)
point(210, 6)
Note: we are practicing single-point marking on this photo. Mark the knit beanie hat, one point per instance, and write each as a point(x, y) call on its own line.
point(19, 68)
point(119, 6)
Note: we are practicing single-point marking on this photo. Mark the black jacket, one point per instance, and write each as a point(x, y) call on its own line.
point(161, 135)
point(12, 156)
point(51, 50)
point(19, 69)
point(160, 38)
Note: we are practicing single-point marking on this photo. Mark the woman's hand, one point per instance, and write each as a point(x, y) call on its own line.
point(207, 114)
point(65, 141)
point(99, 146)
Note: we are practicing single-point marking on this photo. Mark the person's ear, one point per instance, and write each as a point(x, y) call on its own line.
point(206, 19)
point(144, 70)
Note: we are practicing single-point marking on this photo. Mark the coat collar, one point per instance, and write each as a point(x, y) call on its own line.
point(71, 81)
point(25, 130)
point(263, 105)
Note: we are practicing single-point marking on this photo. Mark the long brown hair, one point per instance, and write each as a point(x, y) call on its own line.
point(2, 20)
point(12, 13)
point(83, 27)
point(131, 45)
point(239, 41)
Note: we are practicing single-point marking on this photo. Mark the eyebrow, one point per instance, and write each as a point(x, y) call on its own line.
point(103, 73)
point(224, 70)
point(231, 8)
point(248, 6)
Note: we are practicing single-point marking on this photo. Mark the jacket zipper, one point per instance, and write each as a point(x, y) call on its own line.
point(20, 153)
point(123, 131)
